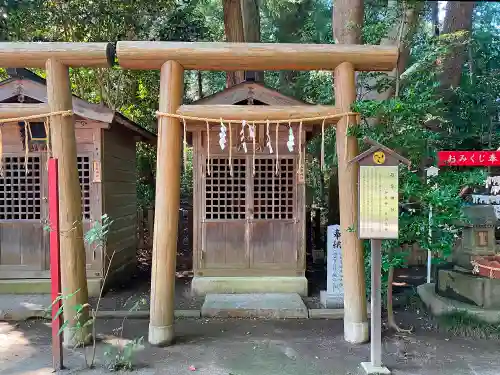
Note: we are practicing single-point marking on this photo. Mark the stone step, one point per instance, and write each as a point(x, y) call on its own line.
point(255, 305)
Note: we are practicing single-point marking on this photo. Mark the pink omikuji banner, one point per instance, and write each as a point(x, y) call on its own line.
point(468, 158)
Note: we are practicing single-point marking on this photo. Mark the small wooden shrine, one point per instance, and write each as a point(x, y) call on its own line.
point(249, 198)
point(106, 162)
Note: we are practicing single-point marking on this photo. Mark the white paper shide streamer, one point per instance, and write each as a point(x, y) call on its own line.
point(291, 139)
point(242, 136)
point(251, 131)
point(268, 136)
point(222, 136)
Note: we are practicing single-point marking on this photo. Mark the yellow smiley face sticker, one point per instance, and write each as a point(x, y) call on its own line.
point(379, 157)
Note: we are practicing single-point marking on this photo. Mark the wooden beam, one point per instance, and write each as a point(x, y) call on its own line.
point(168, 171)
point(257, 112)
point(254, 56)
point(73, 259)
point(34, 55)
point(11, 110)
point(353, 270)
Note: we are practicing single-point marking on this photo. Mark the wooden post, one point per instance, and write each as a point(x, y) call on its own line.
point(55, 265)
point(73, 277)
point(161, 325)
point(376, 303)
point(378, 219)
point(355, 314)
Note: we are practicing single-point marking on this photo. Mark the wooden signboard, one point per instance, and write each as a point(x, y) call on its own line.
point(378, 192)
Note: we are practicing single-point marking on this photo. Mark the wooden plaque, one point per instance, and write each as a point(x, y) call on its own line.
point(378, 202)
point(97, 171)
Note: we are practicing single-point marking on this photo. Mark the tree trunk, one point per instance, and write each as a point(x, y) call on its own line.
point(251, 28)
point(458, 18)
point(347, 24)
point(435, 16)
point(391, 321)
point(233, 27)
point(348, 21)
point(407, 19)
point(199, 79)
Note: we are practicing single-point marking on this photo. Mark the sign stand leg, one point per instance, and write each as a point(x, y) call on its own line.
point(375, 365)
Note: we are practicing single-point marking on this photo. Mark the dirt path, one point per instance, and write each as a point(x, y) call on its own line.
point(251, 347)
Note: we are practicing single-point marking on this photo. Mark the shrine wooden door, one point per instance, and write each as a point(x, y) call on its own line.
point(249, 217)
point(224, 224)
point(274, 225)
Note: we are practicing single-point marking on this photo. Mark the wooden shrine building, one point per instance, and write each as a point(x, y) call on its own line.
point(106, 155)
point(249, 207)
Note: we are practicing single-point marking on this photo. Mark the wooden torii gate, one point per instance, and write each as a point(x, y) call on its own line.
point(56, 58)
point(172, 58)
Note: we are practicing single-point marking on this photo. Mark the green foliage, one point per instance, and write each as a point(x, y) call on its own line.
point(80, 318)
point(123, 358)
point(78, 328)
point(97, 234)
point(187, 175)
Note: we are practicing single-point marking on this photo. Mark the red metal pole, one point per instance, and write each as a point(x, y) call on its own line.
point(55, 263)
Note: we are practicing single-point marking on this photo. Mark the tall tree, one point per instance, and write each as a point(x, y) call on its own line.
point(233, 27)
point(250, 12)
point(347, 29)
point(458, 20)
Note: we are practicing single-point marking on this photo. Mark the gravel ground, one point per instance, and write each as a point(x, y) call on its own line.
point(252, 347)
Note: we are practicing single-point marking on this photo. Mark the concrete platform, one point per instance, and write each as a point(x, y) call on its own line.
point(439, 305)
point(370, 369)
point(41, 286)
point(16, 307)
point(19, 307)
point(258, 305)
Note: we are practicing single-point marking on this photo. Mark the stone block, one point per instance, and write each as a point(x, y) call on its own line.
point(492, 293)
point(331, 300)
point(465, 287)
point(439, 305)
point(203, 285)
point(326, 313)
point(370, 369)
point(268, 305)
point(461, 286)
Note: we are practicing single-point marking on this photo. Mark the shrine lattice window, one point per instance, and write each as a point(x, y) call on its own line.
point(225, 194)
point(84, 177)
point(20, 189)
point(273, 194)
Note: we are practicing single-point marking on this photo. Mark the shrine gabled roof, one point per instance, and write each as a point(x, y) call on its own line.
point(25, 82)
point(378, 146)
point(250, 91)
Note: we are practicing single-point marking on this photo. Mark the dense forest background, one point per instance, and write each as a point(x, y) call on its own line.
point(443, 95)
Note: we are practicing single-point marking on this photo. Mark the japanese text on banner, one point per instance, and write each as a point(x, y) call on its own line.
point(468, 158)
